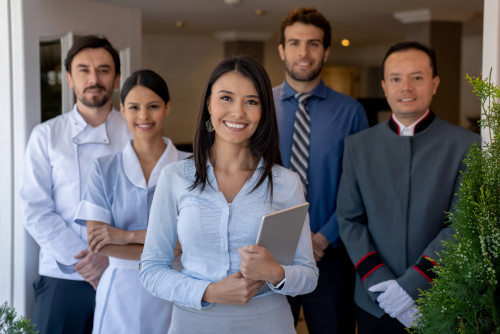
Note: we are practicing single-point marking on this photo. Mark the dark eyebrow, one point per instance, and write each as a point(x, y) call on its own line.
point(151, 102)
point(412, 73)
point(225, 91)
point(98, 66)
point(307, 41)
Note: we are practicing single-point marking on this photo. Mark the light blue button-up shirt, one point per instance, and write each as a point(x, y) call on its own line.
point(210, 231)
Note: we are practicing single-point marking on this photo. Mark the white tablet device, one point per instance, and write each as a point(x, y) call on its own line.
point(280, 231)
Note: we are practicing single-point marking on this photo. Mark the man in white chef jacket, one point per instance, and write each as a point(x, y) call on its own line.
point(59, 154)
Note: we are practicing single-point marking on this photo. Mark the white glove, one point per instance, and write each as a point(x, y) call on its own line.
point(408, 317)
point(393, 300)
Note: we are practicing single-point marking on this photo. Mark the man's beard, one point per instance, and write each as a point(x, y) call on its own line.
point(303, 77)
point(96, 101)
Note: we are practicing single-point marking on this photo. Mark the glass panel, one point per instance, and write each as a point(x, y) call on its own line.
point(51, 78)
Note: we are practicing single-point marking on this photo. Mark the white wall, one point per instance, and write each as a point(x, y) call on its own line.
point(30, 22)
point(185, 62)
point(6, 152)
point(491, 48)
point(470, 105)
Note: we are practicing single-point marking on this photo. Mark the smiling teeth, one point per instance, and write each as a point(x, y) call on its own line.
point(144, 125)
point(235, 125)
point(407, 100)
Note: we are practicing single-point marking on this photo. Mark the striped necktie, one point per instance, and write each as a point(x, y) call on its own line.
point(301, 132)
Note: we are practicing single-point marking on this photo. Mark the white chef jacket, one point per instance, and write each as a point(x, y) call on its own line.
point(58, 158)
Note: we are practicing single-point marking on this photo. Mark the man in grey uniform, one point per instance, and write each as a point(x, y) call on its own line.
point(399, 179)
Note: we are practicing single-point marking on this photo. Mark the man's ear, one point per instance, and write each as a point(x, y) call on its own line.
point(69, 80)
point(117, 82)
point(167, 109)
point(281, 51)
point(327, 53)
point(435, 84)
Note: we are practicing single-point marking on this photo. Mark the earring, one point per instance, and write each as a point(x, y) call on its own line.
point(209, 125)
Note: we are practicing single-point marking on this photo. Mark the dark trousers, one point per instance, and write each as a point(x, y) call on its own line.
point(369, 324)
point(329, 308)
point(63, 306)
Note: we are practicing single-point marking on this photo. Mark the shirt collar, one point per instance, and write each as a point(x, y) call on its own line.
point(211, 174)
point(212, 182)
point(421, 124)
point(133, 170)
point(320, 91)
point(83, 133)
point(260, 165)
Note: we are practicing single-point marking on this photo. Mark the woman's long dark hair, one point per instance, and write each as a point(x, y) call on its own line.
point(264, 143)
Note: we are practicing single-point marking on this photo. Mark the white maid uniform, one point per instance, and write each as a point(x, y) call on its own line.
point(117, 194)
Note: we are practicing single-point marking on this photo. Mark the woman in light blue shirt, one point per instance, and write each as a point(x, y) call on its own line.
point(116, 205)
point(213, 203)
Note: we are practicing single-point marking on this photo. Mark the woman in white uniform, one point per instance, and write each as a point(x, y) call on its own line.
point(214, 203)
point(116, 205)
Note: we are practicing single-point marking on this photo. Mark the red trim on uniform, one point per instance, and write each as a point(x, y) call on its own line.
point(423, 274)
point(397, 125)
point(364, 258)
point(429, 259)
point(371, 271)
point(425, 116)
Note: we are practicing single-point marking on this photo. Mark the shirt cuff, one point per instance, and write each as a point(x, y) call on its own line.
point(278, 286)
point(66, 269)
point(89, 211)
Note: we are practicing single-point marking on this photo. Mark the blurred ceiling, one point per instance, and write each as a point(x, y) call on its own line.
point(361, 21)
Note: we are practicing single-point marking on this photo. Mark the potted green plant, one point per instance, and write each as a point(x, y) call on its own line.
point(10, 325)
point(465, 296)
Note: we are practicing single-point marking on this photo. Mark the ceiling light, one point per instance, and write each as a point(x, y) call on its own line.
point(345, 42)
point(232, 2)
point(259, 12)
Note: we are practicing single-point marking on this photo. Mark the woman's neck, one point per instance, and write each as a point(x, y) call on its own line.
point(232, 157)
point(233, 166)
point(148, 152)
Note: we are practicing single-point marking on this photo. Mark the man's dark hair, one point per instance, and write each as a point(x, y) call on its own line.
point(307, 16)
point(93, 42)
point(403, 46)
